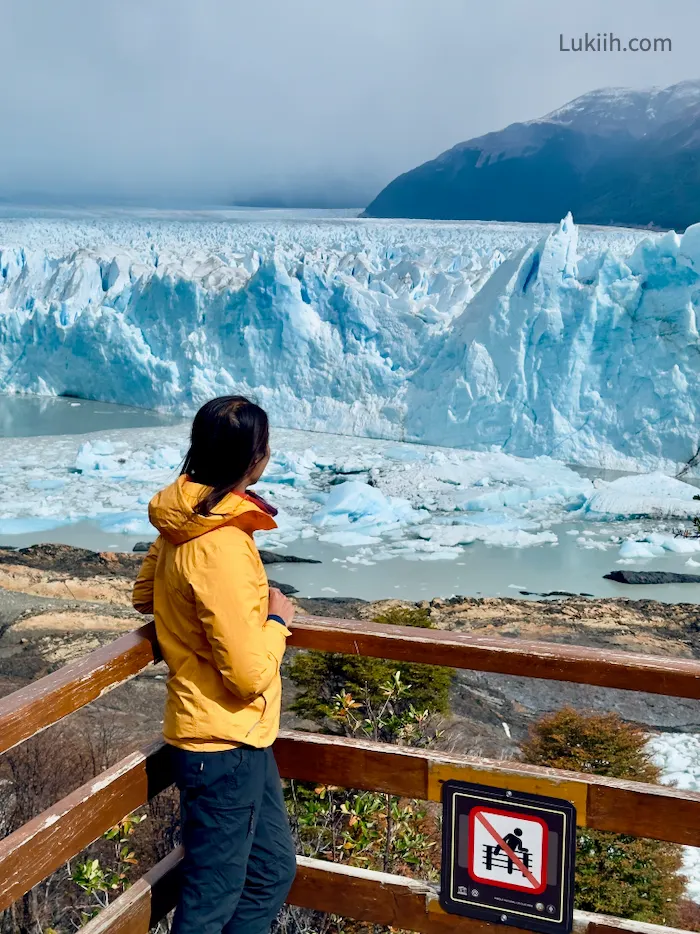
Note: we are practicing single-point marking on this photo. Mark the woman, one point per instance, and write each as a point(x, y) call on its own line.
point(222, 633)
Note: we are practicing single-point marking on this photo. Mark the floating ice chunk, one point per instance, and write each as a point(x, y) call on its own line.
point(356, 503)
point(651, 495)
point(47, 484)
point(95, 455)
point(167, 458)
point(692, 563)
point(590, 545)
point(349, 539)
point(645, 550)
point(289, 469)
point(450, 536)
point(362, 557)
point(444, 554)
point(126, 523)
point(677, 544)
point(657, 544)
point(415, 549)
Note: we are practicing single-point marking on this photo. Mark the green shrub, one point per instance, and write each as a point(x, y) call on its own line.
point(615, 874)
point(322, 676)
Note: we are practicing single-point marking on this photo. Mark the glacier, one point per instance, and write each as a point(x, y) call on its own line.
point(580, 344)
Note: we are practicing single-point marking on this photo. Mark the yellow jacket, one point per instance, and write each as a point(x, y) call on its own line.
point(205, 584)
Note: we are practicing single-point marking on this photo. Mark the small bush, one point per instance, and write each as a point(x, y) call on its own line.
point(615, 874)
point(599, 744)
point(322, 676)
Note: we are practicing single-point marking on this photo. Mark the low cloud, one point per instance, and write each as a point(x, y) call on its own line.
point(313, 101)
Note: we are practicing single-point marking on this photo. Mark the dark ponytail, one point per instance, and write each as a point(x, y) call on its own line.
point(229, 437)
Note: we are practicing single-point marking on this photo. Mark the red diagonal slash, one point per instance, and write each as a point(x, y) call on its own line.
point(518, 863)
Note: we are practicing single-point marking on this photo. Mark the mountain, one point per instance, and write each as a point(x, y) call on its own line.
point(613, 156)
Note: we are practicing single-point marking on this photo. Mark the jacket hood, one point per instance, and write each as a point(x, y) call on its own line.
point(172, 512)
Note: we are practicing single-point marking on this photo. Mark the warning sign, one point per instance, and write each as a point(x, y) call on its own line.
point(508, 857)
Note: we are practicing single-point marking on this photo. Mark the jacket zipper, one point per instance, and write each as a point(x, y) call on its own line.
point(262, 717)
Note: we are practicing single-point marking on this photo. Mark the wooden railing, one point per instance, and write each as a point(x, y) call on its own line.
point(44, 844)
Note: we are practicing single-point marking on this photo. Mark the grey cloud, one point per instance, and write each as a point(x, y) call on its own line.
point(224, 100)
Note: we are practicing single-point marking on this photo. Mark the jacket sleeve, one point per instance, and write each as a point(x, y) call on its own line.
point(142, 594)
point(247, 647)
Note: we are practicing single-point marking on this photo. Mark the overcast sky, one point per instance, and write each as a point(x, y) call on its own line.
point(212, 101)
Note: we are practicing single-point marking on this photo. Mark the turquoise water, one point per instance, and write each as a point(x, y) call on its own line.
point(33, 416)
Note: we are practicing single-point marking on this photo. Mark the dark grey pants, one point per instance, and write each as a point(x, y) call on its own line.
point(239, 855)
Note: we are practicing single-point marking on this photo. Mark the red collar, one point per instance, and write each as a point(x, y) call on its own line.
point(260, 502)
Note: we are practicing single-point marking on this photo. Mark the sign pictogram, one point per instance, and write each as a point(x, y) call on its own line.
point(508, 857)
point(508, 849)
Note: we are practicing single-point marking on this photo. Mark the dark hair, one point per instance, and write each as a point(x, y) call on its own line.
point(229, 437)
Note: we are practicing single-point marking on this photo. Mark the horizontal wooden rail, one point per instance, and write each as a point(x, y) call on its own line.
point(41, 846)
point(612, 804)
point(44, 844)
point(39, 705)
point(48, 700)
point(373, 897)
point(530, 659)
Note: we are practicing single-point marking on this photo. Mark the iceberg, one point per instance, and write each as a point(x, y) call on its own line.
point(651, 495)
point(576, 344)
point(634, 549)
point(353, 507)
point(657, 544)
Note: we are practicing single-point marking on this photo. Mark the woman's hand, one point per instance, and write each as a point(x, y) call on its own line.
point(280, 606)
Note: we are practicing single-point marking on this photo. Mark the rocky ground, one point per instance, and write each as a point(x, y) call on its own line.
point(57, 603)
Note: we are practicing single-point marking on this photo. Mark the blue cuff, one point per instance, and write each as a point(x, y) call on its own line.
point(277, 619)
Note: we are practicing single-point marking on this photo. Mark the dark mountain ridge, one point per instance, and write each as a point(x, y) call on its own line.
point(613, 156)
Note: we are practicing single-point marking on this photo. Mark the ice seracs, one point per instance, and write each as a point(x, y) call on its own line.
point(573, 343)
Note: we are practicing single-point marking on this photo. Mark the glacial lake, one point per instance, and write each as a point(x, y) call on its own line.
point(480, 570)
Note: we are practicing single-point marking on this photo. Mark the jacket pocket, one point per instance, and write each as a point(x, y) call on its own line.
point(258, 722)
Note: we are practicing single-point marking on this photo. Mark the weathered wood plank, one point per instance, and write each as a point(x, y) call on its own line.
point(605, 668)
point(48, 700)
point(612, 804)
point(414, 773)
point(374, 897)
point(42, 845)
point(35, 850)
